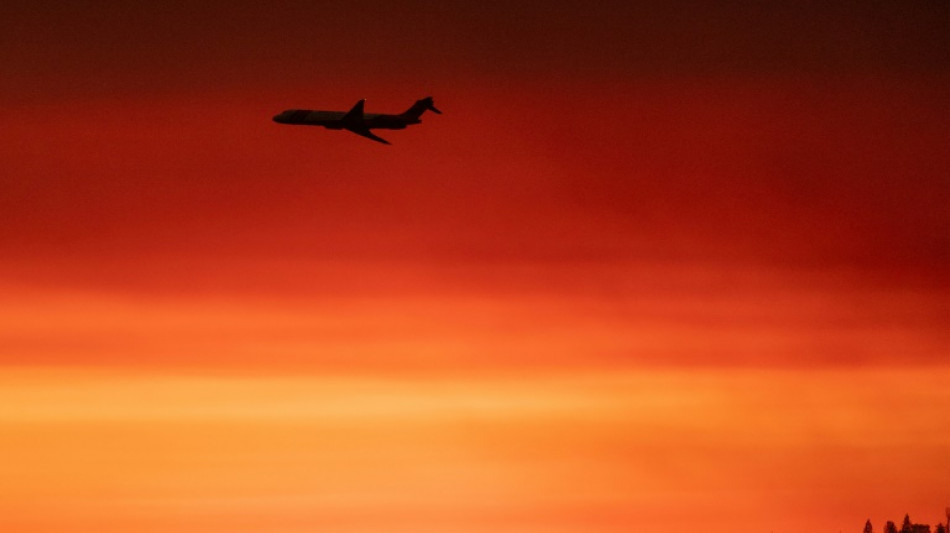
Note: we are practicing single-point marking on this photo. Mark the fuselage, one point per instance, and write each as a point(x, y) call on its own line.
point(356, 120)
point(334, 120)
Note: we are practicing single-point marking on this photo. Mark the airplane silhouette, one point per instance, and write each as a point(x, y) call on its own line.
point(356, 120)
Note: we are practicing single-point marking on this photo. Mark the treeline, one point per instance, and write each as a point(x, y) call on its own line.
point(909, 527)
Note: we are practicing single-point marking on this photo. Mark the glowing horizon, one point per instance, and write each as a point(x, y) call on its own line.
point(135, 450)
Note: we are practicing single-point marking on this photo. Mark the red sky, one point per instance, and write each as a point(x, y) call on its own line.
point(713, 238)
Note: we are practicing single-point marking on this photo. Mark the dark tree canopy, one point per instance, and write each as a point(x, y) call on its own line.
point(905, 525)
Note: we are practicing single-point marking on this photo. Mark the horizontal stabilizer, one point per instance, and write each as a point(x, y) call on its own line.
point(420, 107)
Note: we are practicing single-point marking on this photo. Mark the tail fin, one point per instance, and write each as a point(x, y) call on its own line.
point(420, 107)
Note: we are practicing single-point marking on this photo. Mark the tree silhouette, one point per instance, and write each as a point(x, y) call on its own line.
point(890, 527)
point(868, 528)
point(940, 529)
point(905, 525)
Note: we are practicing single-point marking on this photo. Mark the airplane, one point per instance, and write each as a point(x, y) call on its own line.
point(356, 120)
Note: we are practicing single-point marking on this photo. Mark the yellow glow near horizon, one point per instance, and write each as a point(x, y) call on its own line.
point(790, 406)
point(119, 450)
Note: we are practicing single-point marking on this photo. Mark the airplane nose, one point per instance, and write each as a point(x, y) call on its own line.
point(278, 118)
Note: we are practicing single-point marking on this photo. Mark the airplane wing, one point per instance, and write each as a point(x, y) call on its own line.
point(356, 113)
point(368, 134)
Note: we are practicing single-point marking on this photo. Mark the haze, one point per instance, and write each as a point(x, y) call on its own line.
point(654, 268)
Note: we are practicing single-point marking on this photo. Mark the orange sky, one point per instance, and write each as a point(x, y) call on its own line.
point(654, 267)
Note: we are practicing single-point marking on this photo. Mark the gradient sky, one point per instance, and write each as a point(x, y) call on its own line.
point(671, 266)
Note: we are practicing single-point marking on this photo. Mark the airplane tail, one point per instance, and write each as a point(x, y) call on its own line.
point(420, 107)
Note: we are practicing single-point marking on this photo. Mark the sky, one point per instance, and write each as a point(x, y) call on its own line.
point(680, 265)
